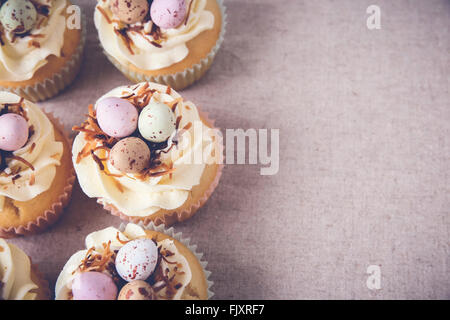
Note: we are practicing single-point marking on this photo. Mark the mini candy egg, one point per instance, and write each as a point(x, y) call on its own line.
point(137, 290)
point(13, 132)
point(130, 155)
point(93, 286)
point(117, 117)
point(130, 11)
point(18, 16)
point(168, 14)
point(156, 122)
point(137, 259)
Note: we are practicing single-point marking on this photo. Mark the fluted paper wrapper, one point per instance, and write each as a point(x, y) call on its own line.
point(52, 214)
point(176, 216)
point(185, 241)
point(50, 87)
point(179, 80)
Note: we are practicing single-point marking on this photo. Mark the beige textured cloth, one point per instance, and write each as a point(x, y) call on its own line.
point(364, 119)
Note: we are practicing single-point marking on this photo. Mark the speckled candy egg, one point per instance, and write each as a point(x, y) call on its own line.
point(93, 286)
point(156, 122)
point(168, 13)
point(18, 16)
point(13, 132)
point(117, 117)
point(137, 259)
point(137, 290)
point(130, 155)
point(130, 11)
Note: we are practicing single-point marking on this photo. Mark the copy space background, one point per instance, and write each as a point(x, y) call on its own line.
point(364, 119)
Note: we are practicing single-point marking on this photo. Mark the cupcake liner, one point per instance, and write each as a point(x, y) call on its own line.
point(185, 241)
point(179, 80)
point(176, 216)
point(50, 87)
point(51, 215)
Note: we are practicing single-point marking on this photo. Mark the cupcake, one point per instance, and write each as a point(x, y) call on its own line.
point(36, 172)
point(136, 263)
point(171, 42)
point(19, 279)
point(40, 47)
point(147, 155)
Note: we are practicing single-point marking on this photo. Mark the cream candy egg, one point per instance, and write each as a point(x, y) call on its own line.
point(18, 16)
point(156, 122)
point(117, 117)
point(13, 132)
point(130, 155)
point(130, 11)
point(93, 286)
point(168, 14)
point(137, 259)
point(137, 290)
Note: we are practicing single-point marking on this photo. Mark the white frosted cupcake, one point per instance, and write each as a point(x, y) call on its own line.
point(41, 47)
point(148, 155)
point(134, 264)
point(36, 172)
point(19, 280)
point(172, 42)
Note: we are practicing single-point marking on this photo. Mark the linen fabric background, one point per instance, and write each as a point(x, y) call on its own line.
point(364, 178)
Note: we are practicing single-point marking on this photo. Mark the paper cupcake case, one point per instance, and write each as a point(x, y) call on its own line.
point(185, 241)
point(179, 80)
point(50, 87)
point(52, 214)
point(177, 216)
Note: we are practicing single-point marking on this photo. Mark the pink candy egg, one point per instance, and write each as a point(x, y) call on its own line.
point(117, 117)
point(93, 286)
point(137, 259)
point(168, 14)
point(13, 132)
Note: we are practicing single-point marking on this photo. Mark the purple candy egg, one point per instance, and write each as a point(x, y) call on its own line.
point(93, 286)
point(168, 14)
point(117, 117)
point(13, 132)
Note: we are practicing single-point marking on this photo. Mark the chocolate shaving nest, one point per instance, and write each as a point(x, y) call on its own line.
point(97, 139)
point(160, 278)
point(123, 32)
point(17, 108)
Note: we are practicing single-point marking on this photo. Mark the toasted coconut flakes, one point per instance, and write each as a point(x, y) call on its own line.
point(34, 43)
point(96, 261)
point(119, 186)
point(97, 159)
point(188, 12)
point(143, 89)
point(92, 111)
point(121, 241)
point(32, 179)
point(22, 160)
point(187, 126)
point(105, 15)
